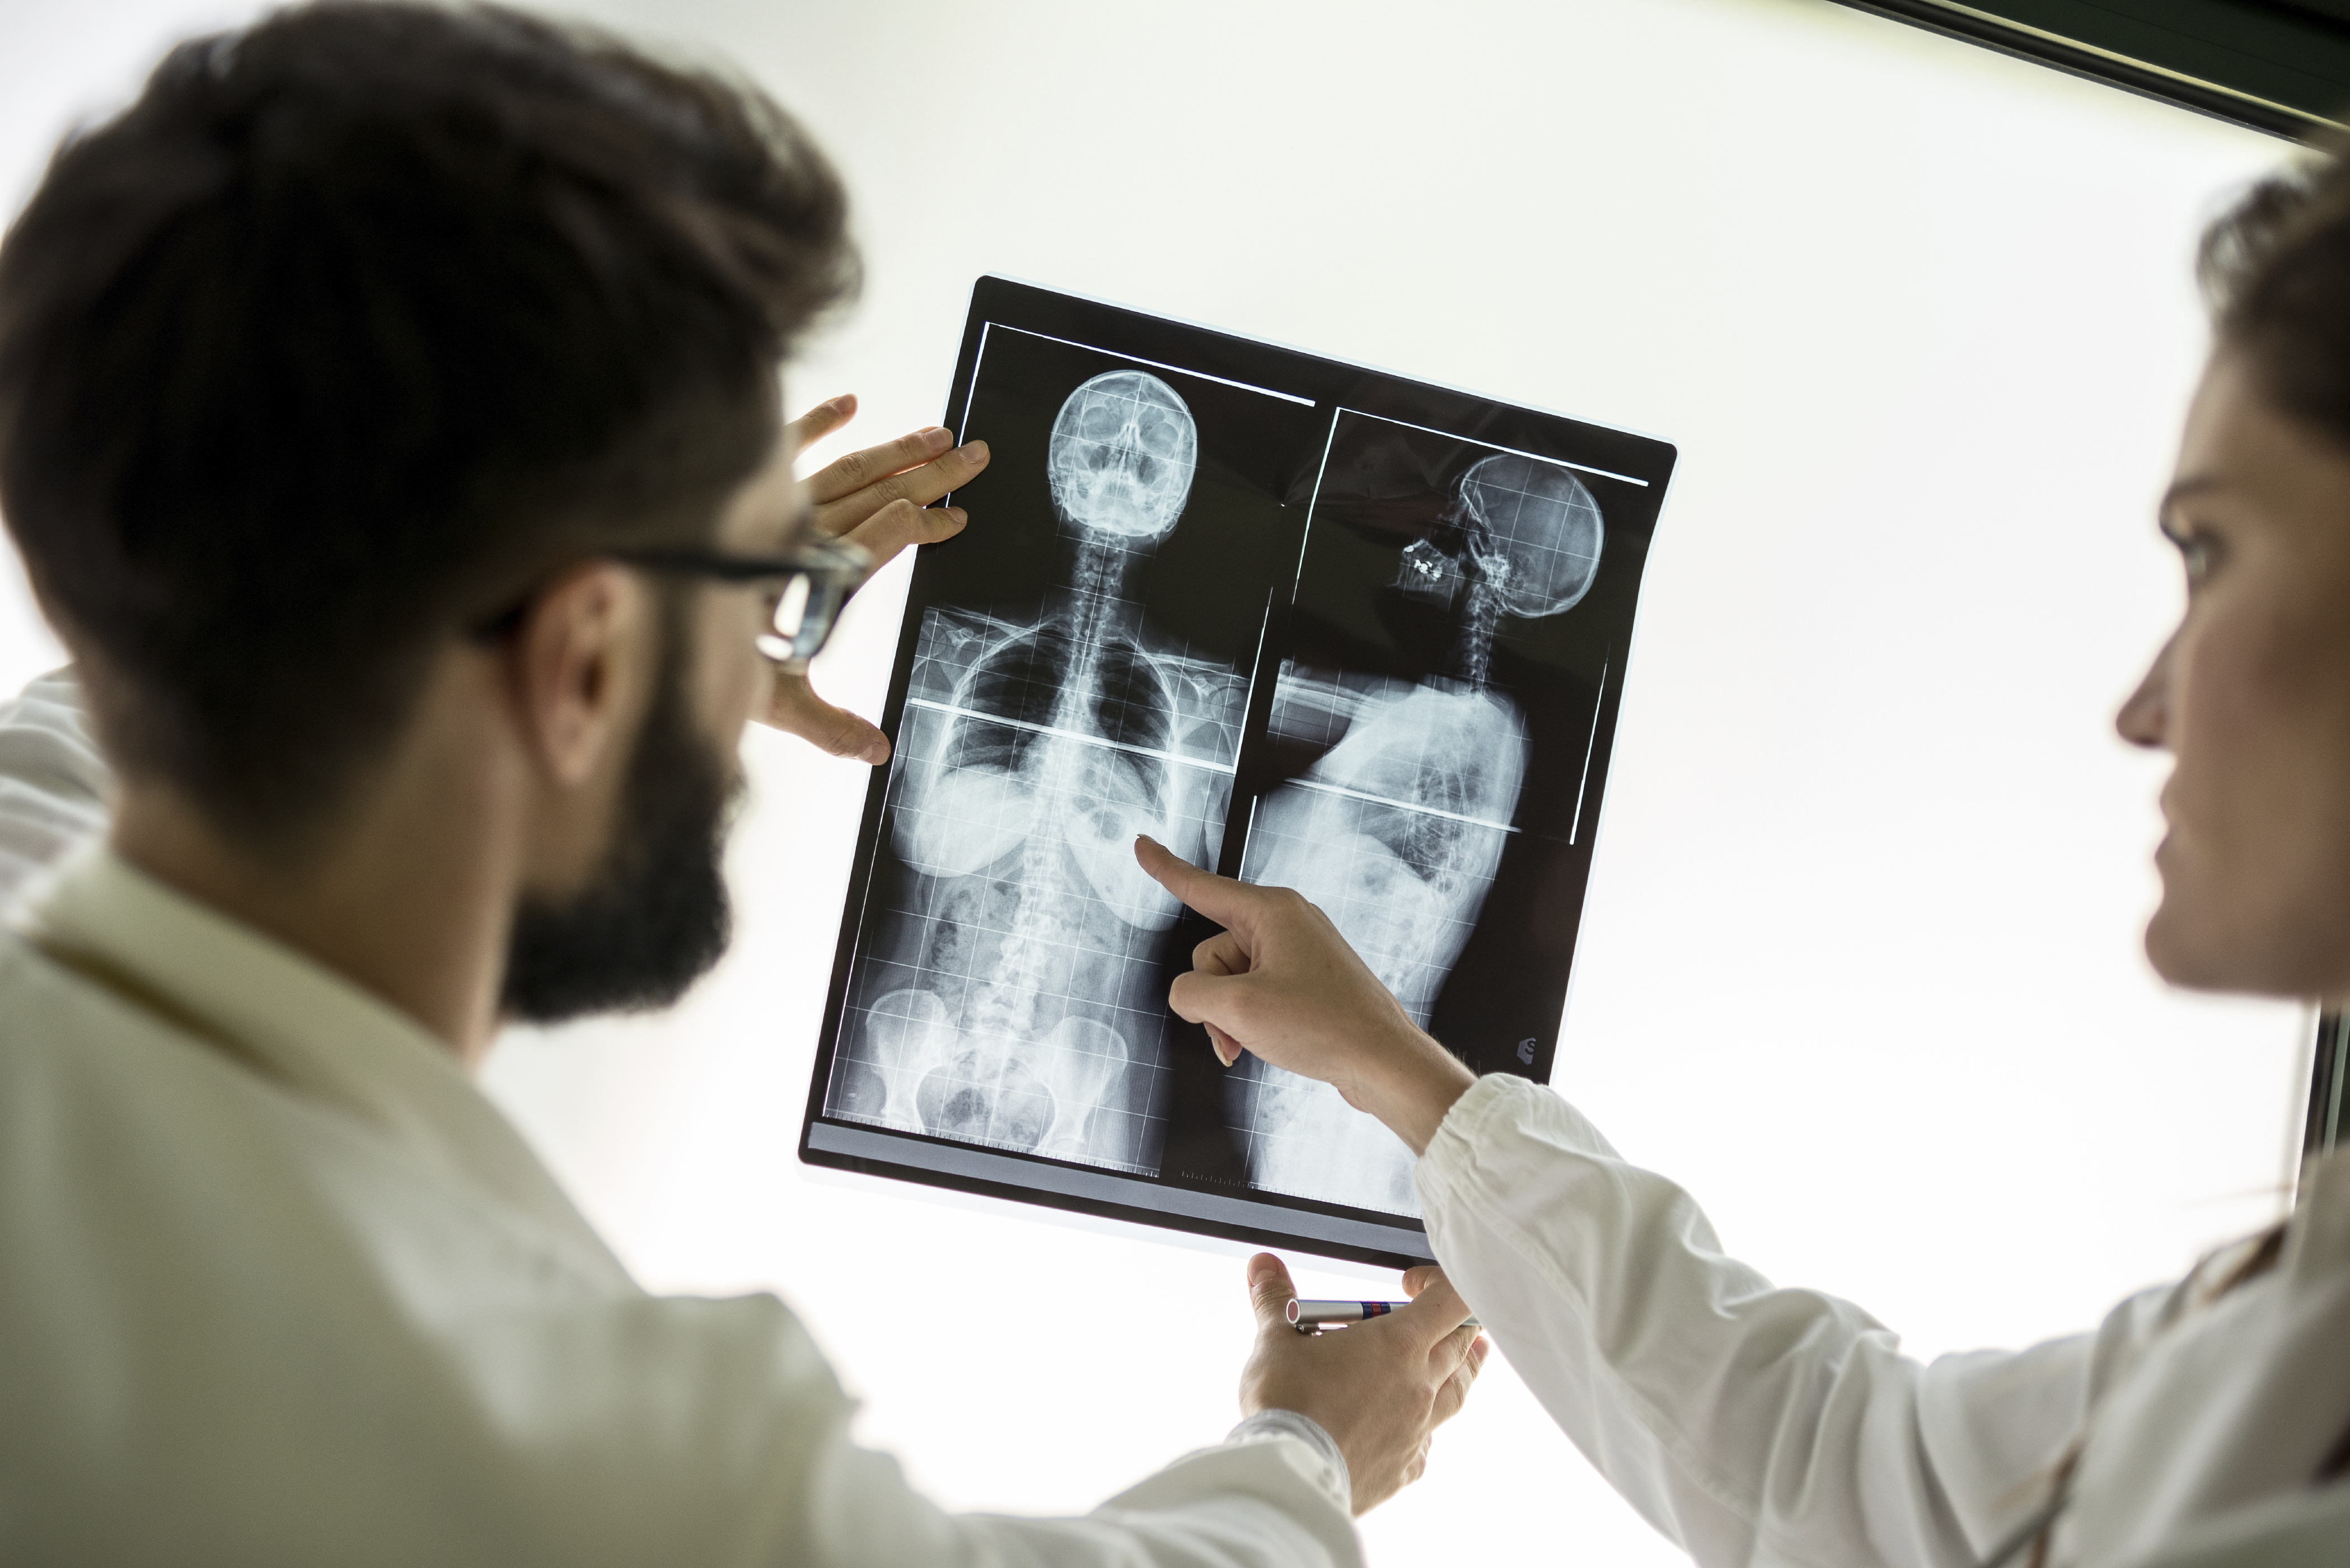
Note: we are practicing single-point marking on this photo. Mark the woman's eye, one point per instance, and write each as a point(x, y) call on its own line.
point(2198, 552)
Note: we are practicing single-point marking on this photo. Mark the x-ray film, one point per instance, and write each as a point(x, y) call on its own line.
point(1304, 623)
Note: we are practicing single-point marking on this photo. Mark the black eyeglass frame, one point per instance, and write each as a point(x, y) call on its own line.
point(834, 569)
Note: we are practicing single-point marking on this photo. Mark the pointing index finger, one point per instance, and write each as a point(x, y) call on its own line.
point(1220, 898)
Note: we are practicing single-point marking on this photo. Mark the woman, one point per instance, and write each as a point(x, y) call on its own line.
point(2203, 1422)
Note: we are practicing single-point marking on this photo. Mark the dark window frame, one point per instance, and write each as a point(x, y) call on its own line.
point(2277, 66)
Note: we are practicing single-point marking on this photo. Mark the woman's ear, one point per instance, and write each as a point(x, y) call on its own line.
point(581, 662)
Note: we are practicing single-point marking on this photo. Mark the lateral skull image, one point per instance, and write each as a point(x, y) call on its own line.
point(1525, 536)
point(1122, 455)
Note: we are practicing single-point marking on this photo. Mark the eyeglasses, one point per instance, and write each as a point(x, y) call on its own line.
point(810, 585)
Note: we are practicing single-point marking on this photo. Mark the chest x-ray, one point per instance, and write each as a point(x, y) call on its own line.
point(1302, 623)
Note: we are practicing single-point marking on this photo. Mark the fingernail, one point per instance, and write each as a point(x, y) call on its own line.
point(841, 404)
point(958, 515)
point(975, 451)
point(937, 438)
point(877, 751)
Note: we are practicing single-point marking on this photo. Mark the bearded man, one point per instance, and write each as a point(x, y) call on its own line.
point(388, 422)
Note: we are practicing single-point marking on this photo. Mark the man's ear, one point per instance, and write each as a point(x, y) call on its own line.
point(579, 663)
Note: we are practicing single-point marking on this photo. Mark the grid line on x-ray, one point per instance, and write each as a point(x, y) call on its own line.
point(1496, 446)
point(1158, 365)
point(1305, 537)
point(1314, 784)
point(970, 393)
point(1591, 744)
point(1077, 735)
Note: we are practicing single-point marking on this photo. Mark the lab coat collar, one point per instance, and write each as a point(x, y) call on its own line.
point(285, 1016)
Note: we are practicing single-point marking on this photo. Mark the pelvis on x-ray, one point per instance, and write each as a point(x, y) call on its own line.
point(1396, 830)
point(1016, 997)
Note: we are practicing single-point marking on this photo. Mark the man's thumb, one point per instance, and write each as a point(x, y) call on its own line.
point(1270, 1292)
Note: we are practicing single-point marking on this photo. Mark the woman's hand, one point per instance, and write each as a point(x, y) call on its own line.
point(1380, 1388)
point(1281, 983)
point(878, 499)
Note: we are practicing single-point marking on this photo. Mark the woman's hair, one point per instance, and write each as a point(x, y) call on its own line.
point(353, 323)
point(2275, 271)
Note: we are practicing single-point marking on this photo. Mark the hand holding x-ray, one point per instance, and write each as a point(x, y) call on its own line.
point(1281, 984)
point(1380, 1388)
point(879, 498)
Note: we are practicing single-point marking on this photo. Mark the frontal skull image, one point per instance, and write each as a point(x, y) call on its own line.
point(1122, 455)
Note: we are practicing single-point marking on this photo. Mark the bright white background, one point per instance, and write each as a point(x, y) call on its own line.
point(1860, 961)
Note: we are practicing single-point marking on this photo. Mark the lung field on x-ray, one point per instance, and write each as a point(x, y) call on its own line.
point(1398, 827)
point(1013, 993)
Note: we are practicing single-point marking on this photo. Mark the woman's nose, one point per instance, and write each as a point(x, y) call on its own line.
point(2144, 718)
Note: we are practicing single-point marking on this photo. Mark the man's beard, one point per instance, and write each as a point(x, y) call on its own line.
point(655, 917)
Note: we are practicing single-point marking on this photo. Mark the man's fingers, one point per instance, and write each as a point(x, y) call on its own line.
point(819, 422)
point(1221, 899)
point(922, 485)
point(848, 475)
point(1270, 1292)
point(1227, 1049)
point(901, 524)
point(1435, 1310)
point(1418, 1280)
point(1455, 1391)
point(795, 707)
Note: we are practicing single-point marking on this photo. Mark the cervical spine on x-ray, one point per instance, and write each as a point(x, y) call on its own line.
point(1032, 754)
point(1396, 830)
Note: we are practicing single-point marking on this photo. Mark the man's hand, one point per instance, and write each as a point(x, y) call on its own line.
point(1281, 983)
point(1380, 1388)
point(879, 499)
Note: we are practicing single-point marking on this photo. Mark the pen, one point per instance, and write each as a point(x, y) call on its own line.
point(1308, 1316)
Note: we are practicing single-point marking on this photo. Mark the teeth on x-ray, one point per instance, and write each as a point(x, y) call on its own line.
point(1396, 831)
point(1016, 997)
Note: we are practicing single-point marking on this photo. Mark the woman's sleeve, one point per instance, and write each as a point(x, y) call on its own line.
point(53, 781)
point(1752, 1424)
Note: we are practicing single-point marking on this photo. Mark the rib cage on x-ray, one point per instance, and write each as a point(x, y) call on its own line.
point(1015, 999)
point(1396, 830)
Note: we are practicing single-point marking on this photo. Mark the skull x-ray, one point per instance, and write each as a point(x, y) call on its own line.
point(1304, 624)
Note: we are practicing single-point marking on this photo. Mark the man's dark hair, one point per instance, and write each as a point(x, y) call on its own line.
point(354, 324)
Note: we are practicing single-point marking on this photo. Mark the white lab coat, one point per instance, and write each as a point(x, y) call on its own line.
point(1763, 1427)
point(278, 1285)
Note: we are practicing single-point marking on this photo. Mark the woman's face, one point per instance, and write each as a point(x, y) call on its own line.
point(2251, 698)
